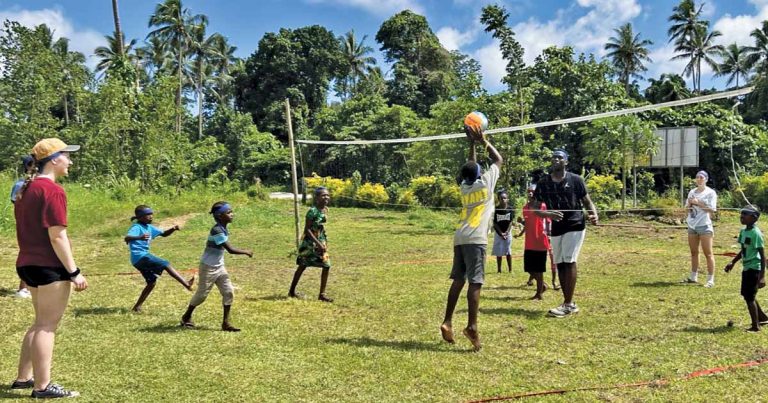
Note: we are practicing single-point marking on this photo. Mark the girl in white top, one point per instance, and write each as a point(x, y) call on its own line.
point(701, 204)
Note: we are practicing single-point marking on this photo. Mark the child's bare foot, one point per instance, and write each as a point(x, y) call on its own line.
point(537, 296)
point(555, 286)
point(136, 309)
point(190, 283)
point(529, 283)
point(324, 298)
point(297, 295)
point(229, 328)
point(447, 332)
point(473, 337)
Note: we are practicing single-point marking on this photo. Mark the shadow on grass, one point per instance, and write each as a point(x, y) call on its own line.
point(8, 393)
point(405, 345)
point(7, 292)
point(530, 314)
point(507, 287)
point(657, 284)
point(168, 328)
point(273, 297)
point(509, 298)
point(100, 310)
point(716, 329)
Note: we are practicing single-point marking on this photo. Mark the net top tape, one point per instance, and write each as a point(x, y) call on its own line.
point(586, 118)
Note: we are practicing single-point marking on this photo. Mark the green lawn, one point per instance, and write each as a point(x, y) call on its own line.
point(380, 340)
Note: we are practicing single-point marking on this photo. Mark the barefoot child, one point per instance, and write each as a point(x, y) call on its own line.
point(313, 251)
point(753, 274)
point(502, 226)
point(139, 236)
point(212, 271)
point(470, 240)
point(536, 242)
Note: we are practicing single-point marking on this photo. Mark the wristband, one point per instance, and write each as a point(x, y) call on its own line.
point(74, 273)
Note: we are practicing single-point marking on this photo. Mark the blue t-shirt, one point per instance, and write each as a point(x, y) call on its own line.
point(15, 189)
point(140, 248)
point(213, 255)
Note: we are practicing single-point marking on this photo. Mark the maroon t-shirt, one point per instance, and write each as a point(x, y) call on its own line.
point(43, 205)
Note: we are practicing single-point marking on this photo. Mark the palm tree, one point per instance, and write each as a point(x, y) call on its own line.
point(110, 56)
point(173, 25)
point(734, 64)
point(155, 56)
point(203, 68)
point(628, 52)
point(669, 87)
point(71, 65)
point(685, 20)
point(118, 30)
point(698, 48)
point(757, 56)
point(355, 58)
point(225, 64)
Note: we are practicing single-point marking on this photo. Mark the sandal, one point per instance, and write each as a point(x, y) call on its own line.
point(324, 298)
point(188, 324)
point(229, 328)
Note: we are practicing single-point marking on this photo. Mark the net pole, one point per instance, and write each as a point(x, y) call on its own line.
point(294, 181)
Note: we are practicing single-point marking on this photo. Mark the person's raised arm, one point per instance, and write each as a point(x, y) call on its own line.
point(493, 153)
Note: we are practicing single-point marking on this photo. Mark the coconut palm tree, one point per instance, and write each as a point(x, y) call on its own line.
point(356, 60)
point(627, 53)
point(757, 56)
point(118, 30)
point(699, 47)
point(71, 65)
point(734, 64)
point(110, 55)
point(685, 19)
point(204, 56)
point(155, 57)
point(173, 24)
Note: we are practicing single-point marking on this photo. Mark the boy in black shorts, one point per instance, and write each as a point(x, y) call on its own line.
point(753, 274)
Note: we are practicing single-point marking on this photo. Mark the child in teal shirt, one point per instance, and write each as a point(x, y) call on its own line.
point(753, 274)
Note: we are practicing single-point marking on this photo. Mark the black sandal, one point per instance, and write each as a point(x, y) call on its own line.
point(324, 298)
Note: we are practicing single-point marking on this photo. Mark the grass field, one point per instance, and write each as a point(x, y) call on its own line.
point(380, 340)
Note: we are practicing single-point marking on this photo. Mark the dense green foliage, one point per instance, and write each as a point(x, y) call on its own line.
point(180, 110)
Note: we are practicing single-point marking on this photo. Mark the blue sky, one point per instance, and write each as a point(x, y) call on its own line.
point(584, 24)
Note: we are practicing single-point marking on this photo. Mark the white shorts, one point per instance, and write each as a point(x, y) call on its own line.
point(566, 247)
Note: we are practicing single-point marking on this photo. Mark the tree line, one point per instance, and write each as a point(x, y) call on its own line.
point(178, 109)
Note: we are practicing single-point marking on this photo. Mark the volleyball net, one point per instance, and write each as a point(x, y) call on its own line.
point(420, 171)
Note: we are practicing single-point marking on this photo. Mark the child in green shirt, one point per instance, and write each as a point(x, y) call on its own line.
point(753, 274)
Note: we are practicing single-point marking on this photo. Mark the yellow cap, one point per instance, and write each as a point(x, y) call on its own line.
point(47, 147)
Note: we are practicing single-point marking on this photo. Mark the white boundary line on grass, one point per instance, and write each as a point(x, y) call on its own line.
point(628, 111)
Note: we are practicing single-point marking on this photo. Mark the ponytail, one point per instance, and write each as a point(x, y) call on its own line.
point(31, 175)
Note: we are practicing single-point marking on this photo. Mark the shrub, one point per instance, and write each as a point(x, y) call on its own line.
point(407, 198)
point(257, 191)
point(435, 192)
point(371, 195)
point(341, 190)
point(756, 190)
point(603, 190)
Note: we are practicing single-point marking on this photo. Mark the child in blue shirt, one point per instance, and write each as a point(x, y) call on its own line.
point(212, 271)
point(139, 236)
point(752, 254)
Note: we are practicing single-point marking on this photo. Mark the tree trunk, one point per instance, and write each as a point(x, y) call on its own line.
point(623, 187)
point(178, 91)
point(200, 107)
point(66, 110)
point(118, 31)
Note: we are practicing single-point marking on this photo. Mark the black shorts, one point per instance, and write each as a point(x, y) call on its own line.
point(749, 281)
point(36, 276)
point(535, 261)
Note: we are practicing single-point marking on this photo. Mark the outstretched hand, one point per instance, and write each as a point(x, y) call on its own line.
point(474, 134)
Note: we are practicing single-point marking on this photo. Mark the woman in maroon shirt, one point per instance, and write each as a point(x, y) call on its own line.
point(45, 263)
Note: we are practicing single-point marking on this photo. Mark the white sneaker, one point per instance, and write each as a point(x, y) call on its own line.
point(23, 293)
point(709, 284)
point(560, 312)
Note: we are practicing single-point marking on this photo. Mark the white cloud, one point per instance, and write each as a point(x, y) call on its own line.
point(663, 63)
point(453, 39)
point(84, 41)
point(378, 7)
point(737, 28)
point(492, 65)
